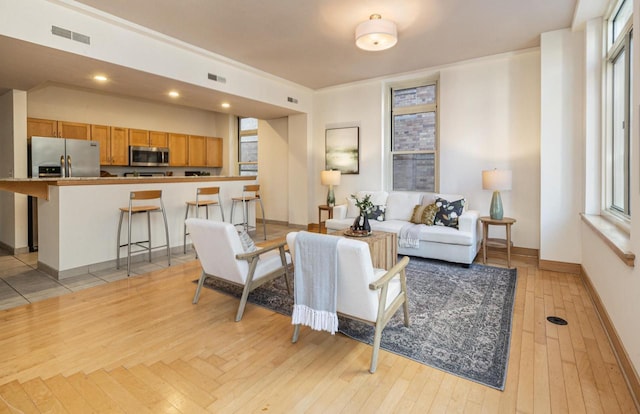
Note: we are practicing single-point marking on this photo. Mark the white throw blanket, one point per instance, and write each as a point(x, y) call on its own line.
point(409, 235)
point(316, 281)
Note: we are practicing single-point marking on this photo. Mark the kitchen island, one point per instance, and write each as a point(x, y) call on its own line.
point(78, 217)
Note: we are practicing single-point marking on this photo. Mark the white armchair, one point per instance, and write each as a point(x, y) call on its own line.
point(222, 256)
point(363, 293)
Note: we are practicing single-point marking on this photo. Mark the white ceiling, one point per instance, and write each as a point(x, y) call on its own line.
point(310, 42)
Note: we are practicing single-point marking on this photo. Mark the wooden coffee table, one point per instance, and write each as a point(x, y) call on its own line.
point(382, 245)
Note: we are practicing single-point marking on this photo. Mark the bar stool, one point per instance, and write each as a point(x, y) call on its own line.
point(206, 203)
point(130, 211)
point(249, 193)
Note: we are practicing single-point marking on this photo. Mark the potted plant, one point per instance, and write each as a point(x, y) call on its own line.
point(361, 223)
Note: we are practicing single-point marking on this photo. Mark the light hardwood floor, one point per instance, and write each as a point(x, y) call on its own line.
point(139, 345)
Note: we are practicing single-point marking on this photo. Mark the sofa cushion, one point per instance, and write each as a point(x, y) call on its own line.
point(400, 205)
point(378, 198)
point(424, 214)
point(448, 212)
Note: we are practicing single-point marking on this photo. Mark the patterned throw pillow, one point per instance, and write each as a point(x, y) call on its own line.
point(377, 213)
point(424, 214)
point(448, 212)
point(247, 242)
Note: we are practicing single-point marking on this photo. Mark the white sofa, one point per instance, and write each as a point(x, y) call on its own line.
point(457, 245)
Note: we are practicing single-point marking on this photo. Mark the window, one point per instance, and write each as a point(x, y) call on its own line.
point(414, 137)
point(619, 86)
point(247, 146)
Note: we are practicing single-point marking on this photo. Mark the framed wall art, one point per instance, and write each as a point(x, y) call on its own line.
point(342, 149)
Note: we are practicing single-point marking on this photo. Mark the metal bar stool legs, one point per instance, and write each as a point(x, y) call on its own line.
point(245, 200)
point(206, 203)
point(132, 210)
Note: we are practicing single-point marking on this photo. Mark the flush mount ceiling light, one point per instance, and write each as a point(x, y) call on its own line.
point(376, 34)
point(100, 78)
point(225, 105)
point(174, 94)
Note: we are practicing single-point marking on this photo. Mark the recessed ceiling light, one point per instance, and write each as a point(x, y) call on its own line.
point(100, 78)
point(226, 105)
point(174, 94)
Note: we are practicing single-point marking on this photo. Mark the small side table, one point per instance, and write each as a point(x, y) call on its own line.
point(322, 208)
point(486, 241)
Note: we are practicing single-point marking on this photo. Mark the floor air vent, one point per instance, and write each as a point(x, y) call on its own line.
point(68, 34)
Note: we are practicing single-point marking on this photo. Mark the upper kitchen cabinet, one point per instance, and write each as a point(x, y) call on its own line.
point(102, 134)
point(214, 152)
point(197, 151)
point(178, 150)
point(74, 130)
point(41, 128)
point(114, 149)
point(138, 137)
point(114, 144)
point(158, 139)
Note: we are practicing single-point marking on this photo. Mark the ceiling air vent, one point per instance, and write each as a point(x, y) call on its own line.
point(68, 34)
point(292, 100)
point(217, 78)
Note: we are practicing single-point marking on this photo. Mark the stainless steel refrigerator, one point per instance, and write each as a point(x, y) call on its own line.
point(58, 157)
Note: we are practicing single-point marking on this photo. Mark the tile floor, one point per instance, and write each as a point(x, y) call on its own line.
point(21, 282)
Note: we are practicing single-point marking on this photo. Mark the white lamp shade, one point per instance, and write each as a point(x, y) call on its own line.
point(496, 180)
point(330, 177)
point(376, 34)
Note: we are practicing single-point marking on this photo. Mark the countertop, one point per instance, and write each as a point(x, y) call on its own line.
point(39, 187)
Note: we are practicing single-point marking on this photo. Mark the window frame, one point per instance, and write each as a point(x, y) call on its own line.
point(244, 133)
point(421, 108)
point(614, 47)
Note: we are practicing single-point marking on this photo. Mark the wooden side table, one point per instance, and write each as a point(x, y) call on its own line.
point(329, 211)
point(486, 241)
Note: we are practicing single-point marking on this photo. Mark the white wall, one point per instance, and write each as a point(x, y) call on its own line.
point(489, 117)
point(147, 51)
point(13, 163)
point(351, 105)
point(70, 104)
point(273, 142)
point(298, 180)
point(561, 145)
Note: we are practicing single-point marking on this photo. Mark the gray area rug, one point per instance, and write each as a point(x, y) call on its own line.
point(460, 318)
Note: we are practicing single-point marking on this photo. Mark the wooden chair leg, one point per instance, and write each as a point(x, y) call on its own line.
point(200, 283)
point(296, 333)
point(248, 285)
point(376, 347)
point(405, 307)
point(243, 302)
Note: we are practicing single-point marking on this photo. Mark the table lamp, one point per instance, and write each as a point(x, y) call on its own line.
point(330, 178)
point(496, 180)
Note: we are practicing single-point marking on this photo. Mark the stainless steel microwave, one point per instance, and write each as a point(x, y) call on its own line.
point(148, 156)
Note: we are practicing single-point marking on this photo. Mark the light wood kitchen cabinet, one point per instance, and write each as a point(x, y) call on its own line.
point(214, 152)
point(41, 128)
point(158, 139)
point(197, 151)
point(102, 134)
point(114, 144)
point(74, 130)
point(138, 137)
point(178, 150)
point(119, 146)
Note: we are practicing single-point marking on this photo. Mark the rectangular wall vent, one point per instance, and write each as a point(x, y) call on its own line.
point(217, 78)
point(59, 31)
point(292, 100)
point(79, 37)
point(68, 34)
